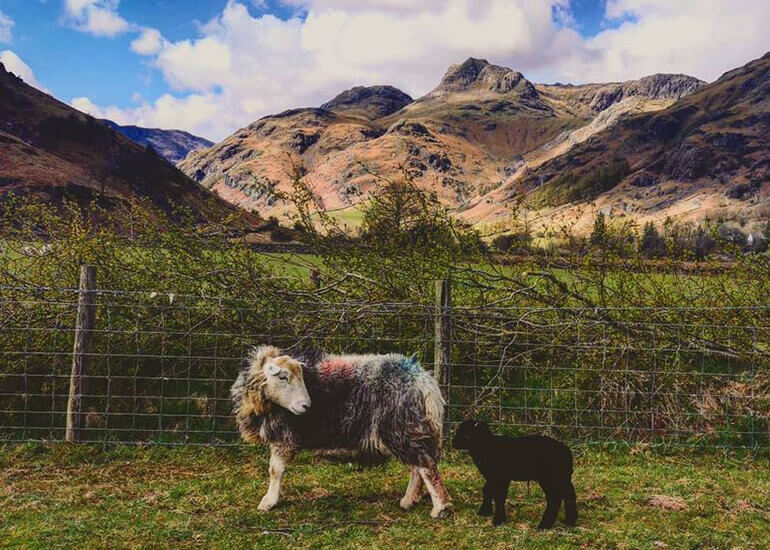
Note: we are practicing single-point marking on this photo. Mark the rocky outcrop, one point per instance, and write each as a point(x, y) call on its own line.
point(480, 75)
point(591, 99)
point(657, 86)
point(371, 101)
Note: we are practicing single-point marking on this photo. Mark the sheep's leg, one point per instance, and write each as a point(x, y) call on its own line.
point(553, 496)
point(570, 504)
point(486, 503)
point(499, 494)
point(279, 458)
point(414, 490)
point(438, 493)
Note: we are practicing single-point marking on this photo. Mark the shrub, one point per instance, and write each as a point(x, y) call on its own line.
point(512, 242)
point(651, 244)
point(282, 235)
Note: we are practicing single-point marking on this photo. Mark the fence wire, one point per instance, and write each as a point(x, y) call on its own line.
point(161, 365)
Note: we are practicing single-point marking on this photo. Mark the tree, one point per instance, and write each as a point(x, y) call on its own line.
point(703, 244)
point(651, 244)
point(599, 234)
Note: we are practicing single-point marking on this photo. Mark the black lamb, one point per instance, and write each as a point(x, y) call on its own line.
point(502, 459)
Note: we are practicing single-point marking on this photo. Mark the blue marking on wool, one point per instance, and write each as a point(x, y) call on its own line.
point(411, 364)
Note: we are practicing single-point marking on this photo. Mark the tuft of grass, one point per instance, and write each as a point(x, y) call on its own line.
point(83, 496)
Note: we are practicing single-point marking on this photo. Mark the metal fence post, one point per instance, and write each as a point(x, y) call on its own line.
point(83, 337)
point(443, 343)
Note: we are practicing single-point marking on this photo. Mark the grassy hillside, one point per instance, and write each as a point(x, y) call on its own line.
point(50, 151)
point(704, 157)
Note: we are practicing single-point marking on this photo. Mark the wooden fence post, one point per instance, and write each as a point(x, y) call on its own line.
point(83, 337)
point(443, 343)
point(315, 278)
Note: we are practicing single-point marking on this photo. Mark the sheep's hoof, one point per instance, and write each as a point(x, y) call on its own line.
point(498, 520)
point(266, 504)
point(485, 511)
point(407, 503)
point(439, 512)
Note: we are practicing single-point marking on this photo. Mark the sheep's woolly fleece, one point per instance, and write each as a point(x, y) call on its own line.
point(373, 404)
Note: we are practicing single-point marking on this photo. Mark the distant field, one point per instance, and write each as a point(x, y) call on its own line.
point(299, 266)
point(351, 216)
point(198, 498)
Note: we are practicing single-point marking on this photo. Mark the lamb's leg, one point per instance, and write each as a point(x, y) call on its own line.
point(438, 493)
point(279, 458)
point(570, 504)
point(414, 490)
point(553, 496)
point(486, 503)
point(499, 494)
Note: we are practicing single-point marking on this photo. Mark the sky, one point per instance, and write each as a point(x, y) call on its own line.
point(213, 66)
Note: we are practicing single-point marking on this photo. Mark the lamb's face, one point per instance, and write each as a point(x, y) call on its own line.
point(469, 433)
point(284, 384)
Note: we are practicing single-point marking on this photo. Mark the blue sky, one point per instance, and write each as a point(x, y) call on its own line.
point(210, 66)
point(73, 63)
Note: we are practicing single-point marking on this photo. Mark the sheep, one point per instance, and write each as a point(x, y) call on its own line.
point(373, 405)
point(503, 459)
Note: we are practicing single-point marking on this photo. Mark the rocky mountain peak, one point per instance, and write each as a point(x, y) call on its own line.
point(461, 75)
point(481, 75)
point(657, 86)
point(665, 86)
point(172, 145)
point(371, 101)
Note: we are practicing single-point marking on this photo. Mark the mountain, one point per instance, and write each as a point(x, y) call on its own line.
point(370, 102)
point(482, 127)
point(172, 145)
point(50, 150)
point(707, 156)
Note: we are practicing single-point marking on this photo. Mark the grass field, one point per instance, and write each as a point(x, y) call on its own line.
point(199, 497)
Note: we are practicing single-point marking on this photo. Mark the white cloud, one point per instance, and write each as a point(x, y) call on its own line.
point(242, 67)
point(203, 113)
point(149, 42)
point(6, 28)
point(703, 40)
point(393, 6)
point(97, 17)
point(252, 66)
point(14, 64)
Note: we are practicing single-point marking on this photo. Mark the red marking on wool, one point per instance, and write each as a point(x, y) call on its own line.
point(335, 367)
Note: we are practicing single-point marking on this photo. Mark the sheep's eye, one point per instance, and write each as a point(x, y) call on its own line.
point(282, 376)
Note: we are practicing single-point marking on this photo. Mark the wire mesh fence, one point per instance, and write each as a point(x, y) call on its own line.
point(160, 365)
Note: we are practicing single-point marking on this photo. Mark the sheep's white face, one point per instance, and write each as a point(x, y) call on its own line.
point(285, 385)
